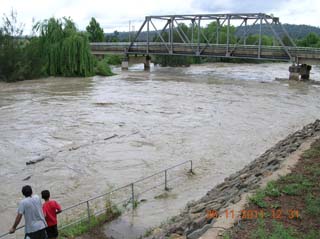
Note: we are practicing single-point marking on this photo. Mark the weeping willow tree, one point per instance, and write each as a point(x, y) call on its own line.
point(66, 50)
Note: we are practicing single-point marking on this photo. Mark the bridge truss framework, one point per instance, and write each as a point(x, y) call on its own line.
point(171, 24)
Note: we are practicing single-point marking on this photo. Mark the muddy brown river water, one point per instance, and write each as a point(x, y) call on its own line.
point(221, 116)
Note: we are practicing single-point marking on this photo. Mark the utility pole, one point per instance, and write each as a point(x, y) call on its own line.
point(129, 31)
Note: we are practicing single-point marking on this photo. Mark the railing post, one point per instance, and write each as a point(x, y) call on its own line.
point(88, 212)
point(191, 166)
point(165, 180)
point(132, 195)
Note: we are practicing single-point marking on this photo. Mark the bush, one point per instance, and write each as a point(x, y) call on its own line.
point(103, 69)
point(113, 59)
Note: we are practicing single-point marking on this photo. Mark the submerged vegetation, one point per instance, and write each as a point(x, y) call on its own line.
point(90, 227)
point(56, 48)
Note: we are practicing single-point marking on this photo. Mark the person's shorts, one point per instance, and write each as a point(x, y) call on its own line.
point(52, 231)
point(41, 234)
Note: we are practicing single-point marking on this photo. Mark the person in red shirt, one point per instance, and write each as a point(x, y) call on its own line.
point(50, 210)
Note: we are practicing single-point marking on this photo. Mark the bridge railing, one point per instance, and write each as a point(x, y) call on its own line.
point(208, 50)
point(85, 211)
point(144, 44)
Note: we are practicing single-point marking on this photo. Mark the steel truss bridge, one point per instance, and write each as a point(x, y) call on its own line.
point(165, 35)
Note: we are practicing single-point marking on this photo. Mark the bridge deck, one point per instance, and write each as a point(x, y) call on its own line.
point(209, 50)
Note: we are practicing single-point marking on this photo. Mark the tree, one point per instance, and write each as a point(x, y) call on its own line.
point(95, 31)
point(66, 50)
point(311, 40)
point(11, 49)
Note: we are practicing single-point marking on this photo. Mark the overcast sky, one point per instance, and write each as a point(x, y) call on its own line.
point(116, 14)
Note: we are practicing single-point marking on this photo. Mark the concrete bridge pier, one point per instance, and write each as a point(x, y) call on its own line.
point(146, 60)
point(147, 63)
point(299, 72)
point(125, 63)
point(294, 72)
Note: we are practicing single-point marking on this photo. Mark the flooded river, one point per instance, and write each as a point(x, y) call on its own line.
point(221, 116)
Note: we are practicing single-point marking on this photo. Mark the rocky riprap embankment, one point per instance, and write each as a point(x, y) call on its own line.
point(192, 222)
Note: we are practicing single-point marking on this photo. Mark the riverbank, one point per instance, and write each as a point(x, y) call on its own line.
point(286, 208)
point(201, 215)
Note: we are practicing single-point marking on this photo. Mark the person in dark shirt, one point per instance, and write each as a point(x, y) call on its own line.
point(50, 210)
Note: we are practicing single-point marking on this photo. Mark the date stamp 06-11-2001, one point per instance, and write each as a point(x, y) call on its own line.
point(254, 214)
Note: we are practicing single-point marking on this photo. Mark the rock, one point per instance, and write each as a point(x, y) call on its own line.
point(199, 222)
point(177, 236)
point(236, 199)
point(199, 208)
point(244, 176)
point(176, 229)
point(199, 232)
point(273, 162)
point(213, 206)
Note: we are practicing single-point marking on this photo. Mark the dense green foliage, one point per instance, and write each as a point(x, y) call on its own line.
point(173, 60)
point(102, 68)
point(67, 50)
point(114, 37)
point(12, 65)
point(59, 50)
point(95, 31)
point(113, 59)
point(295, 31)
point(311, 40)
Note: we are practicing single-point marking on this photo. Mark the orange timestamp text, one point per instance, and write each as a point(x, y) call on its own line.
point(254, 214)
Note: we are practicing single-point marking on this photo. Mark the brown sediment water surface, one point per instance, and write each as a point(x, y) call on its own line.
point(221, 116)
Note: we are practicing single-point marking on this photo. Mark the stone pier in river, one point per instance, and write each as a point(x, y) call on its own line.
point(136, 60)
point(299, 72)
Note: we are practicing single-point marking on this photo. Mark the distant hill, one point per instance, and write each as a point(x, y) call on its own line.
point(295, 31)
point(124, 36)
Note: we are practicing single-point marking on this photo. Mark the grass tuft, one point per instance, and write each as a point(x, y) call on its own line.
point(258, 199)
point(272, 190)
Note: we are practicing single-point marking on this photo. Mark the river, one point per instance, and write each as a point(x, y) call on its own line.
point(221, 116)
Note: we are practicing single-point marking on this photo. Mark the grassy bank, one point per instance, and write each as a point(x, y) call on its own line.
point(288, 208)
point(86, 229)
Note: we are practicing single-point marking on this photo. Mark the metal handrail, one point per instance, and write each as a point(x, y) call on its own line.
point(160, 49)
point(195, 44)
point(131, 198)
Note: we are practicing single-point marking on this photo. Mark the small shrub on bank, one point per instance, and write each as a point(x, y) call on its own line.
point(103, 69)
point(258, 199)
point(276, 232)
point(313, 205)
point(313, 152)
point(272, 190)
point(295, 184)
point(111, 212)
point(113, 59)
